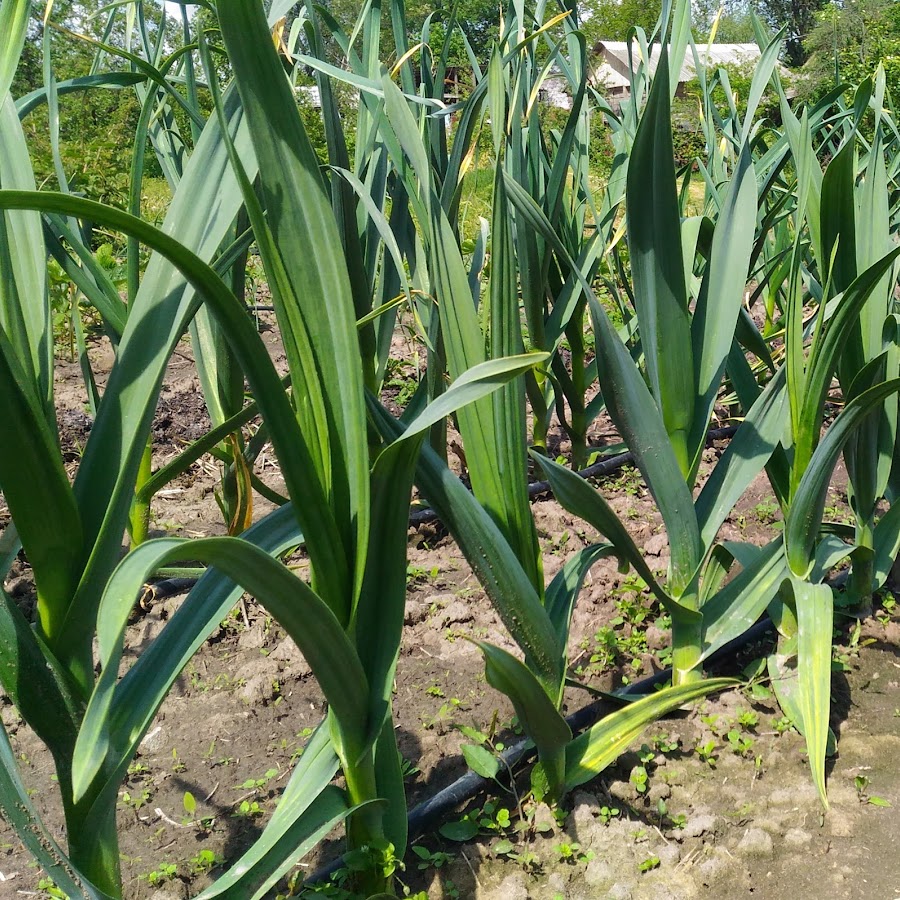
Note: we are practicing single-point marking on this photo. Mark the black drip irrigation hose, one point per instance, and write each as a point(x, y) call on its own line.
point(171, 587)
point(422, 817)
point(598, 470)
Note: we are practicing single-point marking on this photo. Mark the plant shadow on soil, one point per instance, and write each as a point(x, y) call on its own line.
point(728, 808)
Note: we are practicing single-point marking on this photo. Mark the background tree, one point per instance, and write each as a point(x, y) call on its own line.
point(480, 19)
point(857, 35)
point(735, 25)
point(613, 19)
point(800, 17)
point(96, 126)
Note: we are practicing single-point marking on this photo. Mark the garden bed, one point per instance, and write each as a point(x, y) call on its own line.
point(716, 801)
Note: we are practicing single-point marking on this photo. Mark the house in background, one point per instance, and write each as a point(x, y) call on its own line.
point(612, 67)
point(308, 94)
point(555, 91)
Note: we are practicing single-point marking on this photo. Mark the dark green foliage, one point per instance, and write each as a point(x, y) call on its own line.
point(553, 119)
point(96, 127)
point(854, 37)
point(799, 17)
point(613, 19)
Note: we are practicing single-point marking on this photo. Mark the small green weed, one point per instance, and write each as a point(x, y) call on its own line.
point(639, 779)
point(48, 885)
point(572, 853)
point(205, 861)
point(431, 859)
point(257, 783)
point(527, 859)
point(606, 813)
point(861, 782)
point(163, 872)
point(707, 753)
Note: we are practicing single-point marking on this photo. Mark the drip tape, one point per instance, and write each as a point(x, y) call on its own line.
point(171, 587)
point(598, 470)
point(424, 816)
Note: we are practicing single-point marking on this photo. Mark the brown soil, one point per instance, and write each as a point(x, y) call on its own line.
point(744, 823)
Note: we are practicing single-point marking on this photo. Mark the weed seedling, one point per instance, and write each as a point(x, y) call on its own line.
point(431, 859)
point(527, 859)
point(650, 863)
point(606, 813)
point(640, 779)
point(888, 609)
point(666, 744)
point(861, 782)
point(49, 887)
point(781, 725)
point(707, 753)
point(380, 857)
point(257, 783)
point(572, 853)
point(177, 764)
point(766, 511)
point(204, 862)
point(136, 801)
point(444, 714)
point(164, 872)
point(740, 744)
point(247, 810)
point(488, 820)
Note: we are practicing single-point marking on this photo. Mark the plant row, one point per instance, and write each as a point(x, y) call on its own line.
point(774, 301)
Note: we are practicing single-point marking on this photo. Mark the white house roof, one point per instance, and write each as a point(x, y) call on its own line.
point(309, 93)
point(615, 66)
point(606, 76)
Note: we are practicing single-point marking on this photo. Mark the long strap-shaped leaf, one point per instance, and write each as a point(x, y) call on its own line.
point(24, 310)
point(584, 501)
point(747, 453)
point(591, 752)
point(303, 615)
point(37, 490)
point(143, 688)
point(514, 514)
point(540, 718)
point(112, 80)
point(815, 614)
point(306, 236)
point(21, 815)
point(486, 427)
point(14, 27)
point(35, 683)
point(282, 842)
point(654, 229)
point(719, 304)
point(634, 413)
point(311, 507)
point(804, 517)
point(489, 554)
point(826, 353)
point(734, 608)
point(327, 809)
